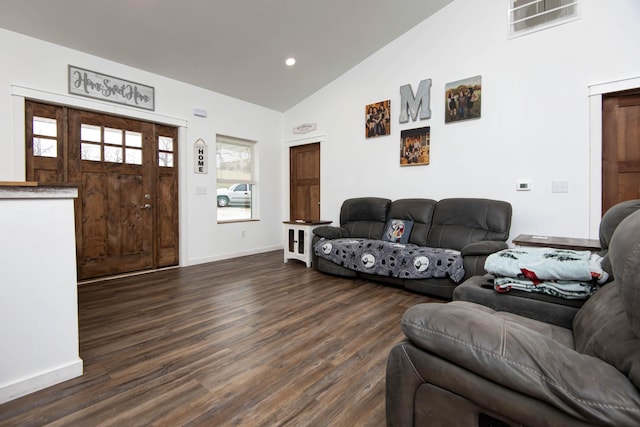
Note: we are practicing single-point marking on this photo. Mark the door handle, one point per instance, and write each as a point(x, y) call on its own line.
point(146, 206)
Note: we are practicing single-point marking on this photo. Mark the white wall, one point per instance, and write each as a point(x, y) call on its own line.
point(535, 120)
point(33, 68)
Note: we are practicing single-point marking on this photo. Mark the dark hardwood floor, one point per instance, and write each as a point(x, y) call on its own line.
point(250, 341)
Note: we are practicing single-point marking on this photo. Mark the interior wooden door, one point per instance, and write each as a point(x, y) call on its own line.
point(304, 182)
point(620, 147)
point(127, 178)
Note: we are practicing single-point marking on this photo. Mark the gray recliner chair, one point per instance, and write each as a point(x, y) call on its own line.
point(465, 364)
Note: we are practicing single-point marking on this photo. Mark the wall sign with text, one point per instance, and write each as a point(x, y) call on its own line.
point(200, 157)
point(108, 88)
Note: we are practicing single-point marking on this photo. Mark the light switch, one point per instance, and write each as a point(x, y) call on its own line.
point(559, 186)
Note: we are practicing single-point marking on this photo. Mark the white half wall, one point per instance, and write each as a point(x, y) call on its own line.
point(39, 304)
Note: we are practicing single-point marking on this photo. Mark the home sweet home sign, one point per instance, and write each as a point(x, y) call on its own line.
point(108, 88)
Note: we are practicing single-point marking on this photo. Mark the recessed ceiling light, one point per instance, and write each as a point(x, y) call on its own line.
point(290, 62)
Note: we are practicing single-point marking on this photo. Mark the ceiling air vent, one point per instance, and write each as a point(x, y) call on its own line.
point(526, 16)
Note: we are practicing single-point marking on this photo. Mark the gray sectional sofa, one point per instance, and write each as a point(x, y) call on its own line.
point(473, 227)
point(465, 363)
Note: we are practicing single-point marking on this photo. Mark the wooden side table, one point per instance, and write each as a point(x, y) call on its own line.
point(572, 243)
point(297, 239)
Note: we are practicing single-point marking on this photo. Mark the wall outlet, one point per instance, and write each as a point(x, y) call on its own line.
point(559, 186)
point(242, 233)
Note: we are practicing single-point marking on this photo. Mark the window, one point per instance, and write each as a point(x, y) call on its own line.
point(235, 178)
point(165, 151)
point(107, 144)
point(45, 142)
point(526, 16)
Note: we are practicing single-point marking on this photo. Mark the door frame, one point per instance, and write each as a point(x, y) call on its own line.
point(596, 94)
point(320, 139)
point(20, 94)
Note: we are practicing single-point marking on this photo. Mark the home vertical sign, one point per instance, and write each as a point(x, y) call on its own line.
point(200, 157)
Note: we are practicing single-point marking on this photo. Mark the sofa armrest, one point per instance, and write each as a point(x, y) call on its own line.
point(526, 361)
point(485, 247)
point(331, 232)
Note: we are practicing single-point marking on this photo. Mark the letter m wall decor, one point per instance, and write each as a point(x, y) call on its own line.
point(411, 103)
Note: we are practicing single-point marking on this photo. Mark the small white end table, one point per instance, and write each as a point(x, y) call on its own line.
point(297, 239)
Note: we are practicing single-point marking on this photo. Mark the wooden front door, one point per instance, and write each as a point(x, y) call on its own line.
point(620, 147)
point(126, 174)
point(304, 182)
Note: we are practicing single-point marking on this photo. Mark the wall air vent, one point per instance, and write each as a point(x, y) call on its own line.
point(526, 16)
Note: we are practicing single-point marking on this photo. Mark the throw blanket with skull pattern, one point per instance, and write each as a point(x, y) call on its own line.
point(405, 261)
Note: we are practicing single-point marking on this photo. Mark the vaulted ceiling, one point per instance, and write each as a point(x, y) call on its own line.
point(234, 47)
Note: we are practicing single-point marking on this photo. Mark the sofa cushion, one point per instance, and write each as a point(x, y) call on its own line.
point(608, 325)
point(330, 232)
point(420, 211)
point(397, 230)
point(539, 306)
point(526, 356)
point(602, 330)
point(460, 221)
point(612, 218)
point(365, 216)
point(391, 259)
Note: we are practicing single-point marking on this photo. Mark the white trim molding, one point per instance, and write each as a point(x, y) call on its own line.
point(596, 92)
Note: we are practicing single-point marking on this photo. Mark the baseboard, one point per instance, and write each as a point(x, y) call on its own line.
point(39, 381)
point(230, 255)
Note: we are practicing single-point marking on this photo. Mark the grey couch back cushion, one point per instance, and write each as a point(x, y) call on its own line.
point(460, 221)
point(610, 220)
point(608, 325)
point(364, 216)
point(420, 211)
point(613, 217)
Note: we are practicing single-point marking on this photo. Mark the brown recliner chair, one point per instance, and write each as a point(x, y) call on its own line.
point(465, 364)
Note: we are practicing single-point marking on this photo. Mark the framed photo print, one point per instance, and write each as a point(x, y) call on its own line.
point(378, 119)
point(463, 99)
point(414, 146)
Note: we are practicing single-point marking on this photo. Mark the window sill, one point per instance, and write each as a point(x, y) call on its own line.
point(231, 221)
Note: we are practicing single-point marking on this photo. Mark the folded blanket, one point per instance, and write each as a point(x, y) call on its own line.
point(405, 261)
point(559, 288)
point(546, 264)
